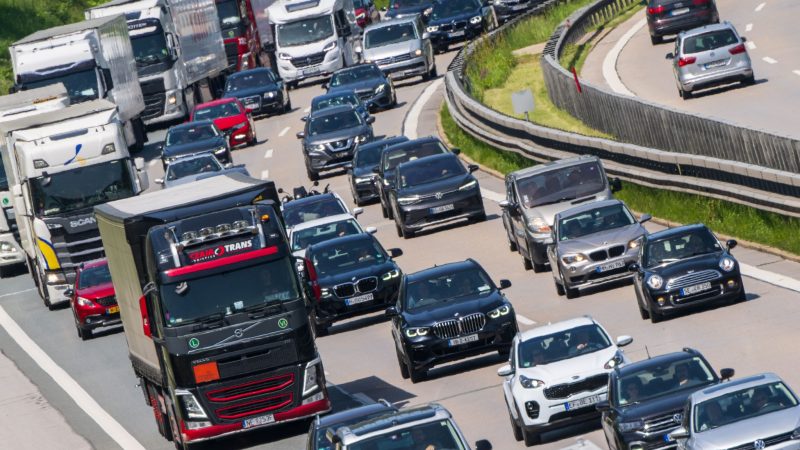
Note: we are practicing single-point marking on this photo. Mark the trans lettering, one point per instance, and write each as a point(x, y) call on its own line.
point(221, 250)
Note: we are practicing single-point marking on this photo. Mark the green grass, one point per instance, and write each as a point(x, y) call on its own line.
point(381, 4)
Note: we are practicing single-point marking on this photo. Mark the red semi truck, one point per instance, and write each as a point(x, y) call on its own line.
point(240, 35)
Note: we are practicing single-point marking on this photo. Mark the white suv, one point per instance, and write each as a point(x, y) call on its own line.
point(556, 374)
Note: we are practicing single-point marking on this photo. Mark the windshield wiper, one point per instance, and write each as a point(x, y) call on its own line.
point(214, 320)
point(552, 202)
point(265, 309)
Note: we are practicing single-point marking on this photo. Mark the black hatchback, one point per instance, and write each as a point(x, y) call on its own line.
point(449, 312)
point(673, 16)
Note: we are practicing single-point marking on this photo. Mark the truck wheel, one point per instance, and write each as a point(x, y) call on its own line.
point(175, 433)
point(321, 329)
point(162, 421)
point(42, 287)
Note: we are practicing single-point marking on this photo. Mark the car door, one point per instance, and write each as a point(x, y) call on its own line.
point(397, 320)
point(345, 33)
point(517, 219)
point(608, 418)
point(508, 382)
point(552, 250)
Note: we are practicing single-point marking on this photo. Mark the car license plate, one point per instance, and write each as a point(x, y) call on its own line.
point(463, 340)
point(307, 72)
point(257, 421)
point(456, 33)
point(112, 310)
point(250, 106)
point(519, 7)
point(719, 63)
point(696, 288)
point(359, 299)
point(678, 12)
point(581, 402)
point(443, 208)
point(610, 266)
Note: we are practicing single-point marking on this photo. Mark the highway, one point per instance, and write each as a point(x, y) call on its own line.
point(754, 336)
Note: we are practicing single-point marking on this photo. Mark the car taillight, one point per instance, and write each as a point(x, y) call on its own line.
point(311, 273)
point(738, 49)
point(655, 10)
point(686, 60)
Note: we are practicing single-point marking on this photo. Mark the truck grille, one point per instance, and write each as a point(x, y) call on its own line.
point(252, 388)
point(361, 286)
point(565, 390)
point(768, 442)
point(472, 323)
point(692, 279)
point(602, 255)
point(254, 407)
point(76, 248)
point(154, 98)
point(232, 54)
point(664, 422)
point(107, 301)
point(234, 400)
point(309, 60)
point(394, 59)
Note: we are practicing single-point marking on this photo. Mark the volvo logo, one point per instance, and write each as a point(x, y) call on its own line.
point(238, 332)
point(439, 196)
point(759, 444)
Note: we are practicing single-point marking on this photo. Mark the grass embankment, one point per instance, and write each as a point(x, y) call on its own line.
point(20, 18)
point(723, 217)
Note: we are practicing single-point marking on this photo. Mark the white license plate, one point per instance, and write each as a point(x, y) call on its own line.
point(463, 340)
point(610, 266)
point(720, 63)
point(456, 33)
point(307, 72)
point(258, 421)
point(359, 299)
point(250, 106)
point(678, 12)
point(581, 402)
point(696, 288)
point(443, 208)
point(519, 7)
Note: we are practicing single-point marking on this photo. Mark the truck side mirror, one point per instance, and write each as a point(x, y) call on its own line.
point(107, 80)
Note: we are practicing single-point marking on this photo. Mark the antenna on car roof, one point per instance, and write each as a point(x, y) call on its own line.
point(647, 351)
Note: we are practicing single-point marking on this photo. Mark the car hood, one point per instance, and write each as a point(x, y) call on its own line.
point(337, 135)
point(446, 185)
point(364, 171)
point(462, 306)
point(616, 236)
point(224, 123)
point(370, 83)
point(95, 292)
point(249, 92)
point(657, 406)
point(747, 431)
point(566, 371)
point(343, 277)
point(548, 212)
point(408, 10)
point(697, 263)
point(399, 48)
point(455, 18)
point(195, 147)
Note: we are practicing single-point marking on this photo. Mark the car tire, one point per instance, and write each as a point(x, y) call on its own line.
point(643, 312)
point(512, 246)
point(434, 71)
point(407, 234)
point(313, 176)
point(291, 85)
point(516, 430)
point(530, 439)
point(655, 40)
point(384, 212)
point(749, 81)
point(253, 141)
point(403, 367)
point(568, 291)
point(416, 375)
point(686, 95)
point(288, 107)
point(559, 288)
point(399, 230)
point(742, 297)
point(656, 317)
point(389, 212)
point(85, 333)
point(480, 217)
point(526, 263)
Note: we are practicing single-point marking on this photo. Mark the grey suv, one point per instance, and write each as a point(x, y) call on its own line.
point(401, 48)
point(673, 16)
point(709, 56)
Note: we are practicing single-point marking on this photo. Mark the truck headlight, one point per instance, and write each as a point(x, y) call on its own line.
point(285, 56)
point(499, 312)
point(408, 200)
point(390, 274)
point(475, 20)
point(312, 377)
point(655, 281)
point(432, 29)
point(627, 427)
point(530, 383)
point(108, 148)
point(172, 99)
point(727, 264)
point(538, 225)
point(416, 331)
point(191, 407)
point(573, 258)
point(468, 185)
point(55, 278)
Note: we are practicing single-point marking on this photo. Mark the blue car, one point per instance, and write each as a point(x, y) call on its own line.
point(453, 21)
point(259, 90)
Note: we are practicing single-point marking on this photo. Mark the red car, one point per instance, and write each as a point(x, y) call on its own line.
point(92, 298)
point(230, 117)
point(366, 12)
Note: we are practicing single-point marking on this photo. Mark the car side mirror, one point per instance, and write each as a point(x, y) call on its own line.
point(426, 35)
point(616, 185)
point(357, 211)
point(69, 293)
point(304, 118)
point(634, 267)
point(744, 39)
point(622, 341)
point(669, 56)
point(731, 244)
point(324, 85)
point(371, 119)
point(505, 204)
point(505, 371)
point(483, 444)
point(160, 147)
point(280, 190)
point(726, 373)
point(159, 181)
point(602, 405)
point(473, 168)
point(455, 151)
point(376, 170)
point(679, 433)
point(349, 166)
point(300, 135)
point(228, 165)
point(391, 311)
point(371, 230)
point(504, 284)
point(395, 252)
point(644, 218)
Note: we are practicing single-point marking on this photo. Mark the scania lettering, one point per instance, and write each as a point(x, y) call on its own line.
point(178, 52)
point(213, 310)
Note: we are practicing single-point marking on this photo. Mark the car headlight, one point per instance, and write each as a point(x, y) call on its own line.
point(270, 94)
point(285, 56)
point(329, 47)
point(538, 225)
point(316, 148)
point(56, 278)
point(428, 11)
point(475, 20)
point(363, 138)
point(220, 150)
point(363, 180)
point(367, 61)
point(530, 383)
point(468, 185)
point(190, 405)
point(390, 275)
point(385, 182)
point(613, 362)
point(627, 427)
point(360, 16)
point(417, 331)
point(655, 281)
point(432, 29)
point(417, 52)
point(85, 302)
point(380, 89)
point(325, 293)
point(635, 243)
point(727, 264)
point(499, 312)
point(408, 200)
point(796, 433)
point(573, 258)
point(6, 247)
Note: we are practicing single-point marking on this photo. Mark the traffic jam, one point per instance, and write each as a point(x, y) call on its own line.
point(158, 262)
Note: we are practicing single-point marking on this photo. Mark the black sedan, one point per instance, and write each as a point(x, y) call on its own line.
point(259, 90)
point(369, 83)
point(338, 98)
point(449, 312)
point(355, 276)
point(433, 191)
point(408, 8)
point(314, 207)
point(685, 267)
point(330, 137)
point(399, 153)
point(194, 138)
point(363, 178)
point(318, 432)
point(453, 21)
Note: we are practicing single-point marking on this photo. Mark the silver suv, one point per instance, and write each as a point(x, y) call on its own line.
point(710, 56)
point(401, 48)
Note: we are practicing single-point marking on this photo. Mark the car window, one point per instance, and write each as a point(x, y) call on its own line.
point(742, 405)
point(708, 41)
point(368, 156)
point(186, 167)
point(657, 380)
point(684, 245)
point(390, 34)
point(185, 135)
point(348, 256)
point(333, 122)
point(314, 235)
point(214, 112)
point(594, 221)
point(449, 8)
point(397, 156)
point(440, 169)
point(355, 75)
point(441, 289)
point(94, 276)
point(339, 100)
point(433, 435)
point(248, 80)
point(560, 185)
point(326, 206)
point(562, 345)
point(396, 4)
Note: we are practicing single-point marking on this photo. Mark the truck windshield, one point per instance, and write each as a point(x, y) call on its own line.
point(81, 85)
point(81, 188)
point(229, 19)
point(305, 31)
point(149, 49)
point(256, 285)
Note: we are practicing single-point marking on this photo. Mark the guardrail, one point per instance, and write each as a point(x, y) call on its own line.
point(766, 178)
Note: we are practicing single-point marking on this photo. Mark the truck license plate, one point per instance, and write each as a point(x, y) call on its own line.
point(610, 266)
point(359, 299)
point(258, 421)
point(112, 310)
point(581, 402)
point(696, 288)
point(443, 208)
point(463, 340)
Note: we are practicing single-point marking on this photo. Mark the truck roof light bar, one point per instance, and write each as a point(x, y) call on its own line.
point(220, 231)
point(172, 238)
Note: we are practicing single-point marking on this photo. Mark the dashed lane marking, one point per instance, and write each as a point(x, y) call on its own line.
point(265, 175)
point(524, 320)
point(582, 444)
point(769, 60)
point(283, 132)
point(761, 6)
point(748, 27)
point(750, 45)
point(796, 72)
point(268, 154)
point(11, 294)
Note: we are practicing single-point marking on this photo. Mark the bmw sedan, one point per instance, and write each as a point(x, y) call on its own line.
point(369, 83)
point(259, 90)
point(454, 21)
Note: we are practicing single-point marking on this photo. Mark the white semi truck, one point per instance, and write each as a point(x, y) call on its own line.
point(59, 165)
point(178, 52)
point(93, 59)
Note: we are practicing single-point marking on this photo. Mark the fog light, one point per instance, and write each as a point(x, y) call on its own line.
point(532, 408)
point(661, 300)
point(731, 283)
point(573, 269)
point(196, 425)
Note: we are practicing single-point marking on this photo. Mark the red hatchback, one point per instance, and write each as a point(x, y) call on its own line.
point(93, 301)
point(230, 117)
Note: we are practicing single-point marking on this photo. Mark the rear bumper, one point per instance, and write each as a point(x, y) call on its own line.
point(716, 78)
point(674, 25)
point(419, 216)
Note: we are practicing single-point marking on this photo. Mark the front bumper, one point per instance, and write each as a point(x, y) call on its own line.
point(259, 104)
point(404, 69)
point(716, 78)
point(674, 25)
point(238, 137)
point(364, 190)
point(13, 256)
point(539, 413)
point(595, 274)
point(441, 39)
point(382, 100)
point(420, 215)
point(507, 10)
point(332, 61)
point(329, 159)
point(724, 289)
point(333, 309)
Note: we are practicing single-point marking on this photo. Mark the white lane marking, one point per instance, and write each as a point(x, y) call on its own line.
point(761, 6)
point(610, 61)
point(265, 175)
point(82, 398)
point(268, 154)
point(284, 131)
point(750, 45)
point(493, 196)
point(796, 72)
point(363, 398)
point(748, 27)
point(307, 110)
point(524, 320)
point(769, 60)
point(11, 294)
point(770, 277)
point(410, 122)
point(582, 444)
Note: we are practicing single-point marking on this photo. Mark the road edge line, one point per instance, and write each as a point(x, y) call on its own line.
point(610, 73)
point(409, 128)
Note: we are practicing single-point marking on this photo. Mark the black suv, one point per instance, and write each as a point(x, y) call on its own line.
point(673, 16)
point(646, 398)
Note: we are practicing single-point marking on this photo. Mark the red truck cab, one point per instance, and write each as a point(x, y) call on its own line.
point(239, 34)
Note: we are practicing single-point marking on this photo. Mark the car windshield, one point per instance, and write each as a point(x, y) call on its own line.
point(81, 85)
point(561, 185)
point(741, 405)
point(395, 157)
point(712, 40)
point(449, 8)
point(249, 80)
point(294, 213)
point(657, 380)
point(331, 101)
point(333, 122)
point(397, 4)
point(438, 435)
point(681, 246)
point(562, 345)
point(355, 75)
point(185, 135)
point(94, 276)
point(305, 31)
point(256, 285)
point(321, 233)
point(192, 166)
point(149, 49)
point(594, 221)
point(81, 188)
point(440, 169)
point(347, 256)
point(368, 156)
point(440, 289)
point(214, 112)
point(390, 34)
